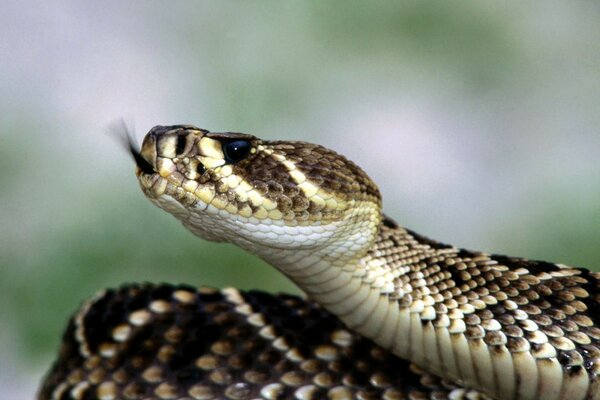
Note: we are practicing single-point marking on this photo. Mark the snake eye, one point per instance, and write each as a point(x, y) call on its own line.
point(236, 151)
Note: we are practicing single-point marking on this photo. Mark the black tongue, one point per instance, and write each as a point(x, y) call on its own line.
point(139, 160)
point(124, 135)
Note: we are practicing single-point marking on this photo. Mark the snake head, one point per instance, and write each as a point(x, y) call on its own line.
point(238, 188)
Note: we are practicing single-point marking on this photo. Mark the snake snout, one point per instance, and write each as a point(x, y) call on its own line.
point(142, 160)
point(146, 159)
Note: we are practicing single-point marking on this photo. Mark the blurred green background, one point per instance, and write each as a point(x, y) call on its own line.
point(479, 120)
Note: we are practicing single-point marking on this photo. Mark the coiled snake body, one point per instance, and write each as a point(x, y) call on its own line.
point(473, 325)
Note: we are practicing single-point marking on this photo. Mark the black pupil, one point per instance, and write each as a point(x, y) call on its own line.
point(236, 151)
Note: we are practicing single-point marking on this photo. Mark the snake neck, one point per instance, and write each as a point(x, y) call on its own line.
point(376, 293)
point(388, 262)
point(352, 283)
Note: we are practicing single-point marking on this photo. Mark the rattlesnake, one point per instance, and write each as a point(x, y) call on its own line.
point(487, 325)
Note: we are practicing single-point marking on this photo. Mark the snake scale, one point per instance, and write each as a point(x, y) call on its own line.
point(391, 314)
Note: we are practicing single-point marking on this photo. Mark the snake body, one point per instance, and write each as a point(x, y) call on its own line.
point(503, 327)
point(177, 342)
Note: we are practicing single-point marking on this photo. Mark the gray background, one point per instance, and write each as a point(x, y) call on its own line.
point(479, 120)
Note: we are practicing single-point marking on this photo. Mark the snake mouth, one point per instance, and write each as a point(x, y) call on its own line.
point(144, 166)
point(145, 159)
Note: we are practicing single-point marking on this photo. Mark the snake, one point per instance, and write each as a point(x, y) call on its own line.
point(388, 313)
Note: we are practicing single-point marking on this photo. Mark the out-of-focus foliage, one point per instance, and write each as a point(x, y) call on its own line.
point(479, 120)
